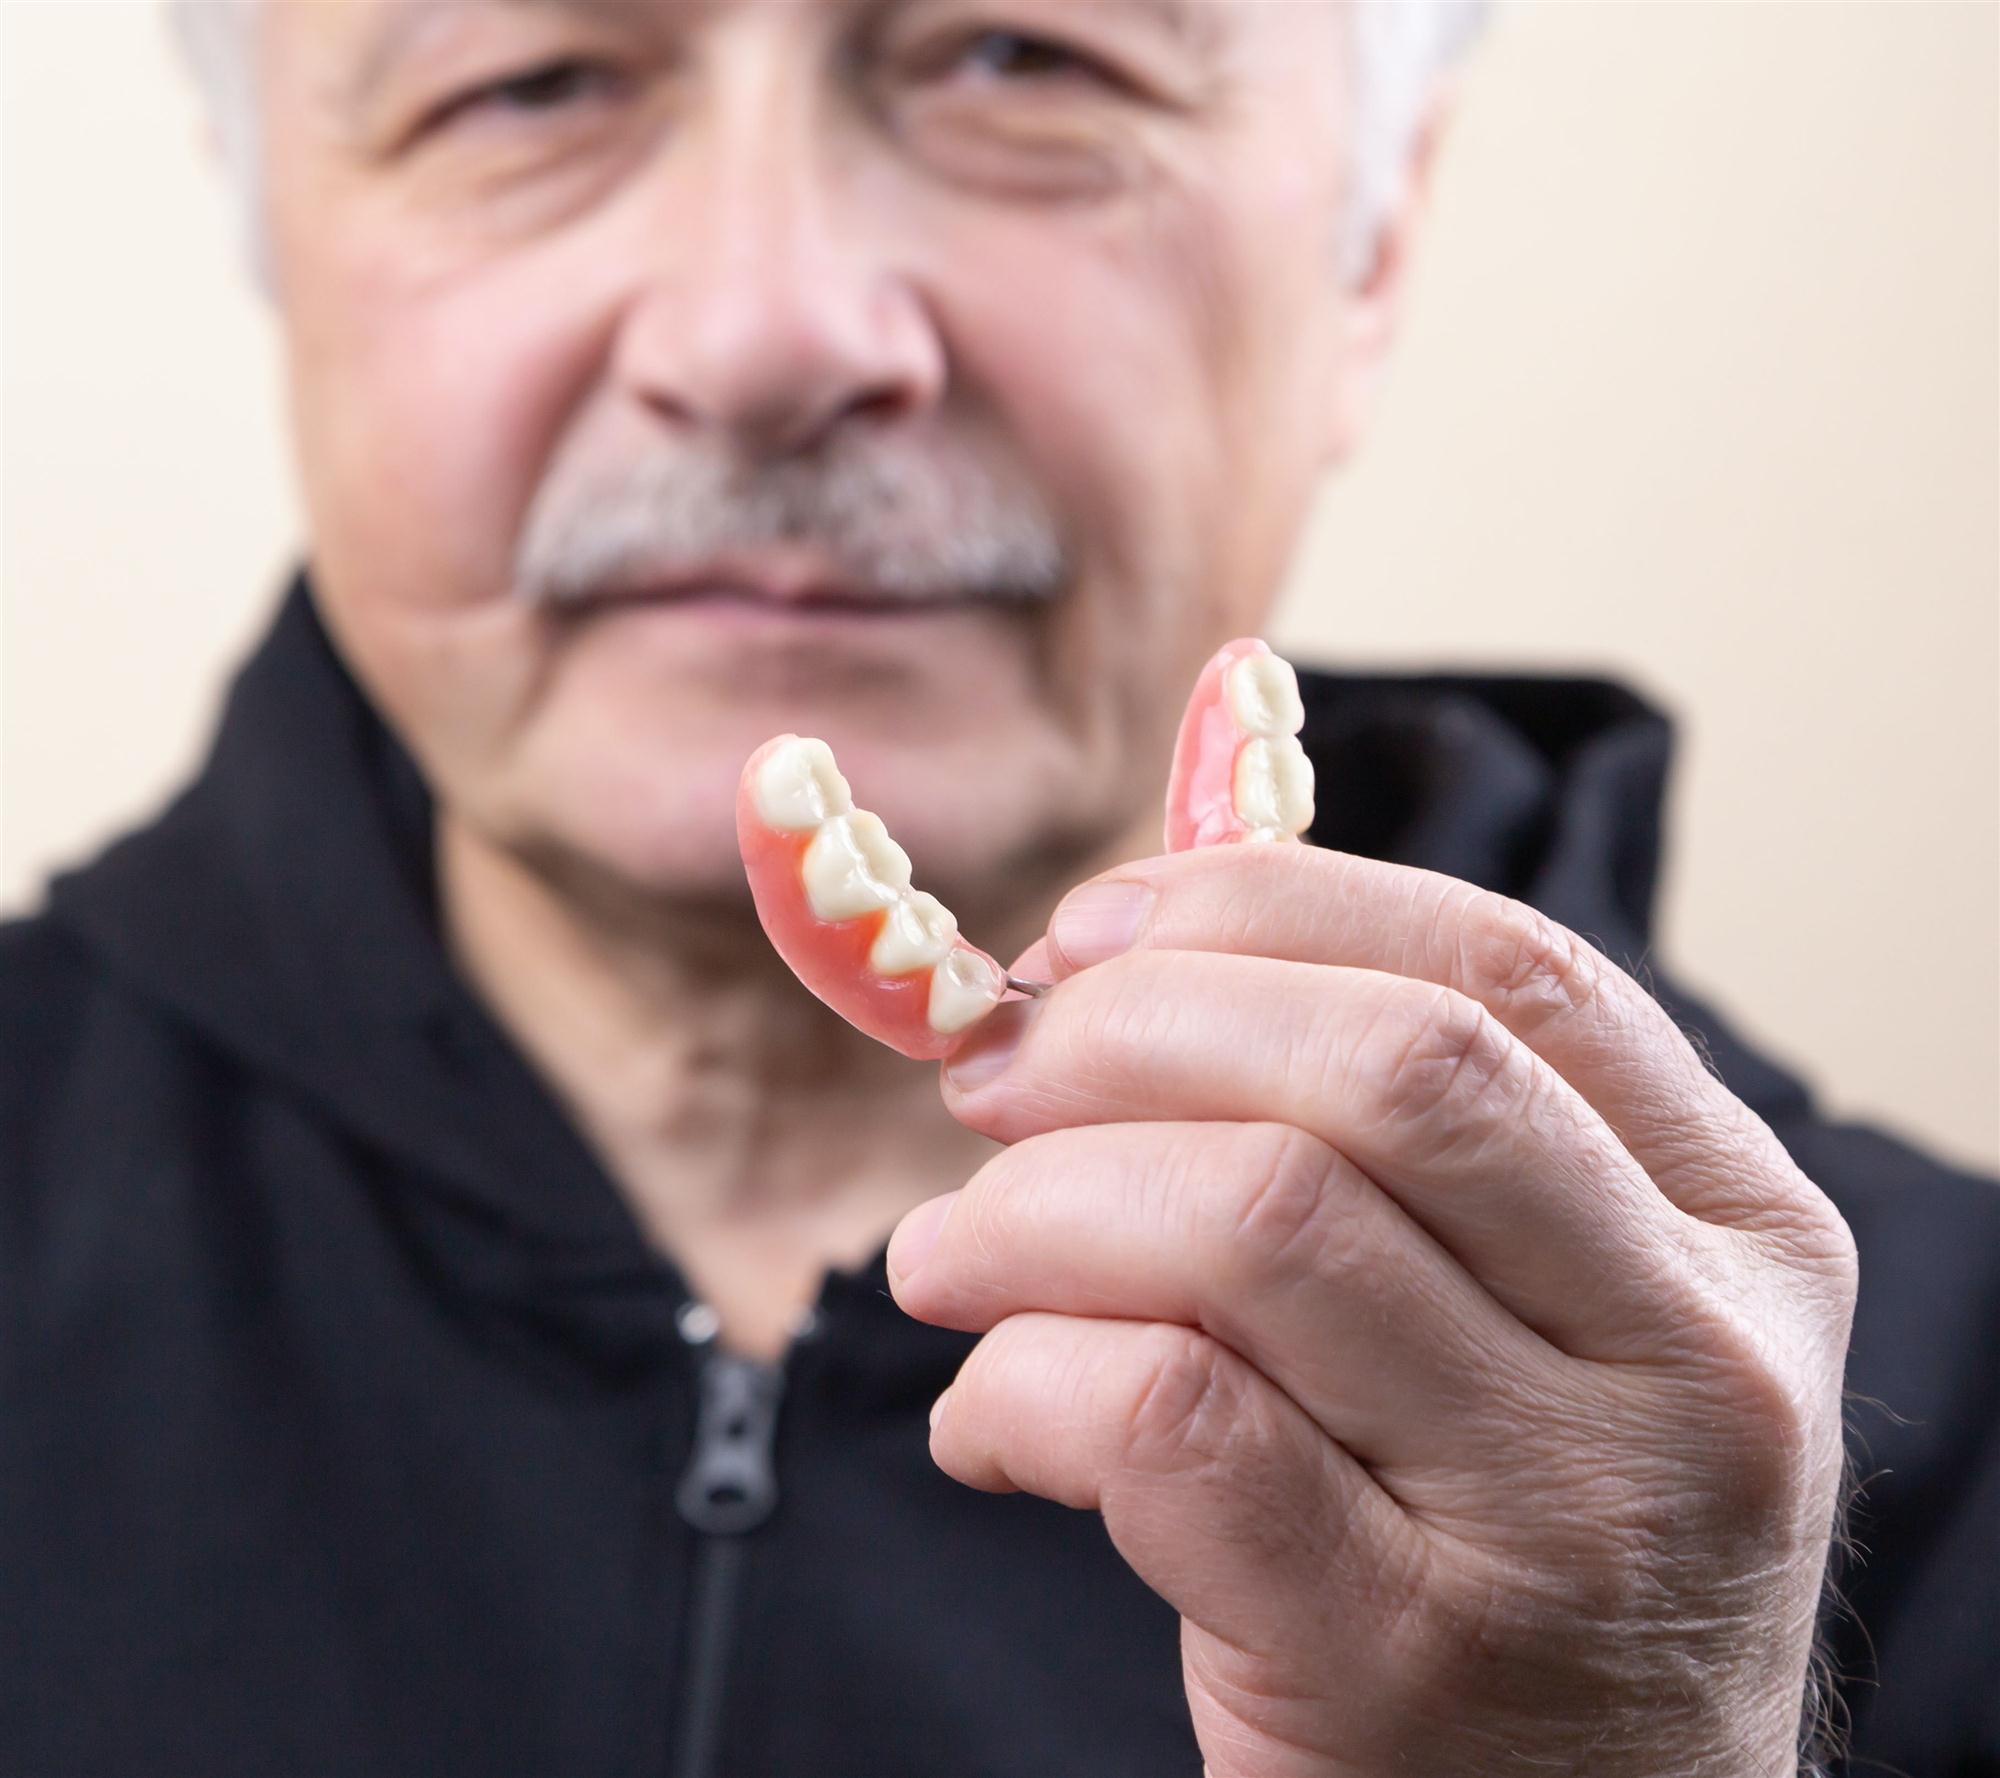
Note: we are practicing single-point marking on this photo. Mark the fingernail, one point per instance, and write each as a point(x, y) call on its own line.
point(937, 1410)
point(917, 1234)
point(985, 1055)
point(1099, 921)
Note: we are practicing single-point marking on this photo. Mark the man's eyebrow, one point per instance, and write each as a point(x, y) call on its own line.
point(405, 22)
point(1195, 23)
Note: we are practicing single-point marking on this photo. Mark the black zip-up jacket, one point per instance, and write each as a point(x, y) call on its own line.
point(348, 1425)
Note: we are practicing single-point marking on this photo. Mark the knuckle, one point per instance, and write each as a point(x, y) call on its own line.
point(1817, 1237)
point(1439, 1056)
point(1775, 1202)
point(1202, 1424)
point(1524, 964)
point(1834, 1246)
point(1283, 1207)
point(1770, 1414)
point(1184, 1410)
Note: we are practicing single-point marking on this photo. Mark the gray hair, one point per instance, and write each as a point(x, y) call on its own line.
point(1402, 48)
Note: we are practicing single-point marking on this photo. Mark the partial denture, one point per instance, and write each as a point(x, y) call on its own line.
point(1239, 772)
point(833, 889)
point(833, 892)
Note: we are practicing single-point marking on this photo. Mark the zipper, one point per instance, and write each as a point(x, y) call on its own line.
point(728, 1489)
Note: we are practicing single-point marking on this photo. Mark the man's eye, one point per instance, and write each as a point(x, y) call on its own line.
point(1019, 56)
point(552, 86)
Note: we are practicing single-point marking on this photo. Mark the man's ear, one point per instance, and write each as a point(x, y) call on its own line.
point(1372, 303)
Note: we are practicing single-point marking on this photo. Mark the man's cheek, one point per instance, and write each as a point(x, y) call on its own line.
point(439, 419)
point(464, 692)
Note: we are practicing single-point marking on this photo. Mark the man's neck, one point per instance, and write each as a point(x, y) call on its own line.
point(756, 1136)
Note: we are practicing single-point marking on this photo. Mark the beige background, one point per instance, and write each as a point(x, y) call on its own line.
point(1700, 389)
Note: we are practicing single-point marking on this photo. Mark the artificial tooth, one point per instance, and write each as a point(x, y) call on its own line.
point(1264, 696)
point(1264, 836)
point(965, 987)
point(1274, 784)
point(853, 867)
point(917, 934)
point(798, 786)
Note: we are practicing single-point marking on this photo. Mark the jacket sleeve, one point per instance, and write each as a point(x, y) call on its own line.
point(1910, 1631)
point(1911, 1624)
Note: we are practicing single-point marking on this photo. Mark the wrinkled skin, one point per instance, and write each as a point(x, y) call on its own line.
point(1455, 1355)
point(759, 225)
point(1433, 1330)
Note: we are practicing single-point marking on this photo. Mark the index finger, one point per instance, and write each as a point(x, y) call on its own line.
point(1557, 993)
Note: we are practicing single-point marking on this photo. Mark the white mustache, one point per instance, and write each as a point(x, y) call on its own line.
point(891, 517)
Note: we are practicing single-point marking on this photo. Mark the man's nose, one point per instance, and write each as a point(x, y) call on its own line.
point(774, 308)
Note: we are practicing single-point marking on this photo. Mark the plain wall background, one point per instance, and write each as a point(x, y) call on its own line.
point(1700, 388)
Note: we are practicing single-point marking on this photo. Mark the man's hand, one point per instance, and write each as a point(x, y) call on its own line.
point(1434, 1332)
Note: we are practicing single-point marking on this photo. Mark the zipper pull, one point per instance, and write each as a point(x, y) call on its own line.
point(731, 1484)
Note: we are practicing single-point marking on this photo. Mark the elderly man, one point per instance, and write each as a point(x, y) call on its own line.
point(449, 1322)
